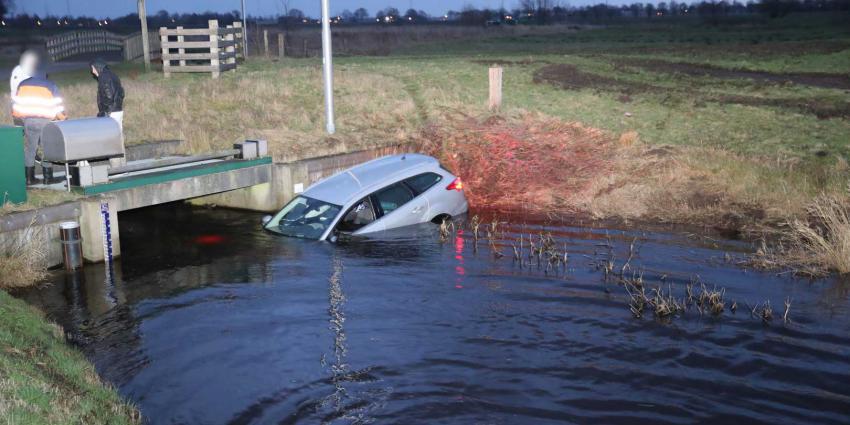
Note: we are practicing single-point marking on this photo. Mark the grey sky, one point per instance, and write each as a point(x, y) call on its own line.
point(109, 8)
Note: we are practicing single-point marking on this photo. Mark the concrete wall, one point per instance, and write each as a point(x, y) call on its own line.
point(39, 228)
point(288, 178)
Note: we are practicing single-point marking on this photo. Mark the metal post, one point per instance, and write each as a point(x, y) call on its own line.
point(143, 16)
point(244, 32)
point(328, 70)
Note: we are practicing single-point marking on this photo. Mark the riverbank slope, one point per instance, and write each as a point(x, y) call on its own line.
point(45, 381)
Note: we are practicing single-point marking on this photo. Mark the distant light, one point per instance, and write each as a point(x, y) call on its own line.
point(304, 21)
point(2, 23)
point(409, 18)
point(38, 23)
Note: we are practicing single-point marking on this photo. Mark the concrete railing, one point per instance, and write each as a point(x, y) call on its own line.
point(211, 49)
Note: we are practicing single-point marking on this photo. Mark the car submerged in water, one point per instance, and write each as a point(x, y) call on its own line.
point(386, 193)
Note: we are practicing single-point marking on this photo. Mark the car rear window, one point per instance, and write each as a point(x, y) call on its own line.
point(423, 182)
point(391, 198)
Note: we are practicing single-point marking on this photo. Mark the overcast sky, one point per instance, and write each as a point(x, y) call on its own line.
point(111, 8)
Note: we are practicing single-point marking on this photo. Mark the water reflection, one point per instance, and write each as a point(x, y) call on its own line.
point(223, 323)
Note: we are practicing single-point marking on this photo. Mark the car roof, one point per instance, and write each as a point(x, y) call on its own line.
point(361, 180)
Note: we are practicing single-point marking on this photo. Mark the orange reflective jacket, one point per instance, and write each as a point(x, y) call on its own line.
point(38, 98)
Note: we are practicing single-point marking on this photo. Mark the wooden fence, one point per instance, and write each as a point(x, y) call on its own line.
point(134, 48)
point(84, 41)
point(211, 49)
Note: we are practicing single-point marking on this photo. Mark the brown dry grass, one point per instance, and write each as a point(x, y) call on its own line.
point(280, 104)
point(552, 166)
point(813, 246)
point(22, 260)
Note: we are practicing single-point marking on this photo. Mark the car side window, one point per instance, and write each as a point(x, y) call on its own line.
point(393, 197)
point(423, 182)
point(359, 216)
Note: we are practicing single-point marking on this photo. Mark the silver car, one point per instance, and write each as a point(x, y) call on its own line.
point(386, 193)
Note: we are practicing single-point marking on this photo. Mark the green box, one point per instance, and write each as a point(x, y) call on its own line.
point(13, 182)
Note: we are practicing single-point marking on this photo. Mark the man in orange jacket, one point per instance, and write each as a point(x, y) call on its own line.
point(36, 103)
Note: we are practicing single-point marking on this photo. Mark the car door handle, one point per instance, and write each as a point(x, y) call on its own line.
point(417, 210)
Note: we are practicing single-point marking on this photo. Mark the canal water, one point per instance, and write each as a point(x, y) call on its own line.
point(209, 320)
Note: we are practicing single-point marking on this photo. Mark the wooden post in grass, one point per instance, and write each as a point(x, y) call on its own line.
point(215, 59)
point(305, 49)
point(163, 41)
point(266, 42)
point(495, 88)
point(181, 51)
point(281, 47)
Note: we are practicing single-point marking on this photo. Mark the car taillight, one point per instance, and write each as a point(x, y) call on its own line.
point(457, 185)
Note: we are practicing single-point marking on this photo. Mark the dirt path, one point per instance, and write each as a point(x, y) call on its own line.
point(816, 79)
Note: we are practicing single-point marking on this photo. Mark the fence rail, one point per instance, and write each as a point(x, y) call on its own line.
point(84, 41)
point(211, 49)
point(134, 48)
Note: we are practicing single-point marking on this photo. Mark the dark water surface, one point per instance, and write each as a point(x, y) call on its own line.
point(209, 320)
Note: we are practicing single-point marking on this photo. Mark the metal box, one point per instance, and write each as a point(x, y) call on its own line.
point(82, 139)
point(85, 174)
point(248, 149)
point(13, 183)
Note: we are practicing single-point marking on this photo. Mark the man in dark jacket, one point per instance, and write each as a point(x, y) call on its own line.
point(110, 95)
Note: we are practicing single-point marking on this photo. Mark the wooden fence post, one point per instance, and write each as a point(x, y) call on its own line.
point(306, 53)
point(281, 47)
point(240, 37)
point(163, 41)
point(181, 51)
point(215, 61)
point(266, 42)
point(231, 47)
point(495, 88)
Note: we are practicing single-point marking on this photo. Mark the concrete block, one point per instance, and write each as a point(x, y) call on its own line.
point(93, 227)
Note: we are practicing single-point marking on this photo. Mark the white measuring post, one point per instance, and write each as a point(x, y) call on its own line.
point(327, 59)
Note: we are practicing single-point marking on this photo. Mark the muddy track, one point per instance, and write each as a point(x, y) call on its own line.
point(569, 77)
point(816, 79)
point(504, 62)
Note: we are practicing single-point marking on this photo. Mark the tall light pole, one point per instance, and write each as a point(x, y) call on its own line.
point(244, 32)
point(143, 18)
point(328, 69)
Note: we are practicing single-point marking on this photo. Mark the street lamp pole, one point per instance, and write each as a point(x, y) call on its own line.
point(327, 59)
point(244, 32)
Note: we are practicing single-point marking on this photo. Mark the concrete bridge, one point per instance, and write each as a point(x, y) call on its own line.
point(256, 184)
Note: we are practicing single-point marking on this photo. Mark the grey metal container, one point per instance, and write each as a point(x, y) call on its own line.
point(82, 139)
point(72, 245)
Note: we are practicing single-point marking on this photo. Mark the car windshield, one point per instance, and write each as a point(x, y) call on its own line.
point(304, 218)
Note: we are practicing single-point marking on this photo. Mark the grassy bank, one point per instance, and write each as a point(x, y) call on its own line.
point(45, 381)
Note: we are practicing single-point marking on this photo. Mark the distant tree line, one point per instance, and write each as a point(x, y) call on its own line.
point(527, 12)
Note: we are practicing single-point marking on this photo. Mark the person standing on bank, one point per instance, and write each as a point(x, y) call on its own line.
point(36, 103)
point(110, 96)
point(25, 69)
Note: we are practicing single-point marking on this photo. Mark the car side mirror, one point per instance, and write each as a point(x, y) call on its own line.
point(267, 219)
